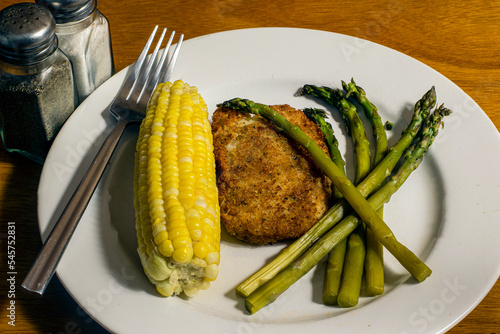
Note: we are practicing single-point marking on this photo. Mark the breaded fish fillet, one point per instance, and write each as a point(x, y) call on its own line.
point(270, 189)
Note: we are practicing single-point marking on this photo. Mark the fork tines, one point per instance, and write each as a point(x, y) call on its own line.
point(156, 69)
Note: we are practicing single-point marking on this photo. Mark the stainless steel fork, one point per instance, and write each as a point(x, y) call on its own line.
point(129, 106)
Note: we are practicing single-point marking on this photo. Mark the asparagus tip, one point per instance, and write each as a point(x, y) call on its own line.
point(306, 89)
point(314, 113)
point(299, 92)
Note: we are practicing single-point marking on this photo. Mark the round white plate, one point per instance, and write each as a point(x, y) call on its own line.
point(447, 212)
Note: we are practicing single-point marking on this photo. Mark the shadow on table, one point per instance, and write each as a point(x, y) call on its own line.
point(56, 311)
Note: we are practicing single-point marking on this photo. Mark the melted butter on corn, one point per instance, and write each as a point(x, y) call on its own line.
point(176, 204)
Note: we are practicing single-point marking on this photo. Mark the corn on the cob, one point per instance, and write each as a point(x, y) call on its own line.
point(176, 203)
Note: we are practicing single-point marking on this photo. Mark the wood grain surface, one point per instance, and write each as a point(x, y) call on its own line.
point(461, 40)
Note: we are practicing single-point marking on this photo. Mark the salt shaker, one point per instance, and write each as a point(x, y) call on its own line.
point(37, 91)
point(84, 37)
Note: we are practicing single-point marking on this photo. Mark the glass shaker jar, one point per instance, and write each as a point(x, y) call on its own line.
point(84, 37)
point(37, 91)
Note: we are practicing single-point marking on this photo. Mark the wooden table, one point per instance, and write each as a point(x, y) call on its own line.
point(461, 40)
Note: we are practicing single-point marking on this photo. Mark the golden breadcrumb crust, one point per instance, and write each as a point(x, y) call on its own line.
point(270, 189)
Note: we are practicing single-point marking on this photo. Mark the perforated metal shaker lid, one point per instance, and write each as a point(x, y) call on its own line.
point(27, 33)
point(65, 11)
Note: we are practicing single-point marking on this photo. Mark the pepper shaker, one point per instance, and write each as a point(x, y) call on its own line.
point(37, 91)
point(84, 37)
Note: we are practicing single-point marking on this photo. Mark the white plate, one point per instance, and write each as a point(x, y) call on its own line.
point(447, 212)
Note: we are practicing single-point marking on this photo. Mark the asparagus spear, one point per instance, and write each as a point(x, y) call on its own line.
point(335, 214)
point(352, 274)
point(318, 117)
point(335, 263)
point(272, 289)
point(371, 112)
point(354, 125)
point(356, 200)
point(374, 260)
point(333, 273)
point(349, 289)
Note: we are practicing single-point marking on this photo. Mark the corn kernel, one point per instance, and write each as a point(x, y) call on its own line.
point(201, 249)
point(165, 248)
point(182, 255)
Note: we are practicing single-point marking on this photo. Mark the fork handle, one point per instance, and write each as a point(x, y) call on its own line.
point(44, 266)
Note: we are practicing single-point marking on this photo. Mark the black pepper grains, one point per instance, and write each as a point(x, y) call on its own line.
point(37, 92)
